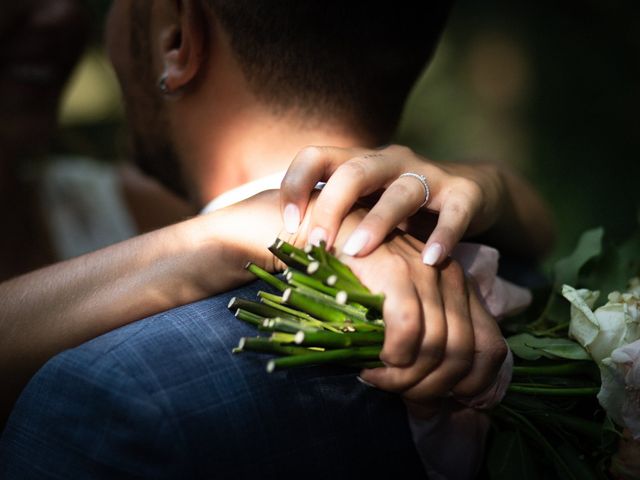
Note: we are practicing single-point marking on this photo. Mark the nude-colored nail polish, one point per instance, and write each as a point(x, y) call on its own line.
point(356, 242)
point(291, 218)
point(317, 235)
point(432, 255)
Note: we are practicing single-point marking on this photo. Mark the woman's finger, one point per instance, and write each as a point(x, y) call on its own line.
point(310, 166)
point(400, 200)
point(389, 274)
point(490, 351)
point(459, 352)
point(357, 177)
point(457, 210)
point(434, 338)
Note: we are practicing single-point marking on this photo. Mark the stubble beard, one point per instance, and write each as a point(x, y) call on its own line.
point(151, 145)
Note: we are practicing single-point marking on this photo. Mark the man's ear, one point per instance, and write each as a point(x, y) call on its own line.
point(181, 37)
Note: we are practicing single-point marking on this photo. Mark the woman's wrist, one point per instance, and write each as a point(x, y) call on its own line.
point(218, 245)
point(489, 178)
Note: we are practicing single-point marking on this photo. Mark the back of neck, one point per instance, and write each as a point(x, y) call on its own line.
point(246, 149)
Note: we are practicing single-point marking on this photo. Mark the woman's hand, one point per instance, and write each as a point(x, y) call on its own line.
point(469, 199)
point(439, 339)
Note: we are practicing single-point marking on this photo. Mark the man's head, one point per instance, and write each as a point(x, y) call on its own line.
point(358, 59)
point(351, 63)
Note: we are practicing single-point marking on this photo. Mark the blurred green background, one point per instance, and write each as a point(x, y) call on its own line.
point(549, 88)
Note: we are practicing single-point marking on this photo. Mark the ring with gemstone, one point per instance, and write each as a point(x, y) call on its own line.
point(423, 180)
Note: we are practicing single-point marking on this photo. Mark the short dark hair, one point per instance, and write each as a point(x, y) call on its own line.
point(356, 58)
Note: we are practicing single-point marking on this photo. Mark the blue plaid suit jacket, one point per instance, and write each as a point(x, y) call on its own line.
point(165, 398)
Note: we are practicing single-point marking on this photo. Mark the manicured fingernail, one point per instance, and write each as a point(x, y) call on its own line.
point(317, 235)
point(291, 218)
point(356, 242)
point(432, 255)
point(364, 382)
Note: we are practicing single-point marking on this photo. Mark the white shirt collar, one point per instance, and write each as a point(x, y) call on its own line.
point(244, 191)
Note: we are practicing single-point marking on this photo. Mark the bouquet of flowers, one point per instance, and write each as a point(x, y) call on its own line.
point(574, 396)
point(573, 406)
point(323, 315)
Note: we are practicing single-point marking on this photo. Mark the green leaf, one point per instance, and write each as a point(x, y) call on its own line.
point(528, 347)
point(557, 311)
point(510, 457)
point(567, 271)
point(613, 268)
point(588, 430)
point(542, 442)
point(529, 404)
point(589, 246)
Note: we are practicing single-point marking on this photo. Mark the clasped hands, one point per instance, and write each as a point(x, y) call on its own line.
point(440, 340)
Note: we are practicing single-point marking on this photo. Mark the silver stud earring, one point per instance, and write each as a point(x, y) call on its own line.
point(162, 84)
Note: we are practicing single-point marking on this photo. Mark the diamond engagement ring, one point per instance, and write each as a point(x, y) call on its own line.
point(423, 180)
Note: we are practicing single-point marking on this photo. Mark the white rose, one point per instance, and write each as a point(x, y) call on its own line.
point(621, 396)
point(611, 335)
point(613, 325)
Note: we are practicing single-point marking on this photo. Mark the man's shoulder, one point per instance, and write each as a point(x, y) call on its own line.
point(170, 387)
point(170, 344)
point(172, 326)
point(152, 385)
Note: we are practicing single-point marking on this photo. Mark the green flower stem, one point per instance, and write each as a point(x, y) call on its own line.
point(249, 317)
point(339, 268)
point(298, 278)
point(260, 309)
point(552, 330)
point(331, 278)
point(568, 368)
point(328, 267)
point(554, 415)
point(286, 310)
point(289, 326)
point(339, 340)
point(320, 252)
point(331, 312)
point(584, 427)
point(311, 292)
point(301, 260)
point(289, 249)
point(555, 391)
point(280, 337)
point(364, 327)
point(278, 300)
point(303, 315)
point(263, 345)
point(289, 255)
point(345, 273)
point(262, 274)
point(283, 257)
point(322, 273)
point(314, 308)
point(532, 432)
point(348, 355)
point(352, 312)
point(370, 300)
point(351, 309)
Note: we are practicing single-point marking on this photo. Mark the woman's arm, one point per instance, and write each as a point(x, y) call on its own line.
point(463, 200)
point(61, 306)
point(66, 304)
point(521, 223)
